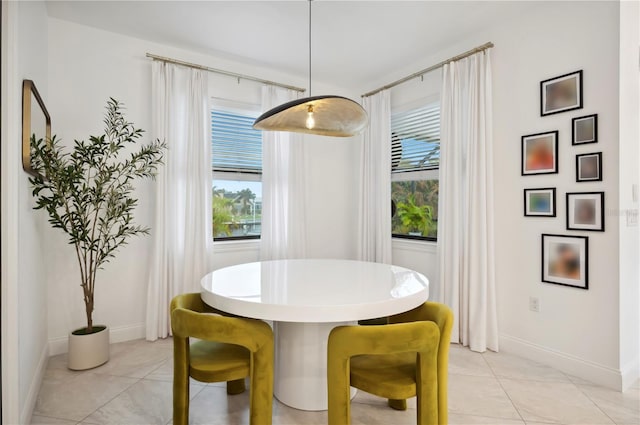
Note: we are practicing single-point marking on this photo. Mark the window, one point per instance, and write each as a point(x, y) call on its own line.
point(237, 175)
point(415, 158)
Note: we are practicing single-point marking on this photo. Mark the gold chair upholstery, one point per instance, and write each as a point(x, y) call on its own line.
point(230, 349)
point(392, 361)
point(442, 316)
point(407, 358)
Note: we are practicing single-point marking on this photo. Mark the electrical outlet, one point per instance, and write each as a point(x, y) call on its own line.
point(534, 304)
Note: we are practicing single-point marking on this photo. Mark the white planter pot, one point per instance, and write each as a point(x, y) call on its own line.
point(88, 351)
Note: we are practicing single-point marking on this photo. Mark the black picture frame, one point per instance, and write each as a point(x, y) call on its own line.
point(577, 133)
point(589, 167)
point(530, 211)
point(565, 260)
point(571, 82)
point(585, 211)
point(541, 139)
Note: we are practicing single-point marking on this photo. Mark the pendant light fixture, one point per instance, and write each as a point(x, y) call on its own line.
point(324, 115)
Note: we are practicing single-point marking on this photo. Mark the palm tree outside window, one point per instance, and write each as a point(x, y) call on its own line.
point(237, 174)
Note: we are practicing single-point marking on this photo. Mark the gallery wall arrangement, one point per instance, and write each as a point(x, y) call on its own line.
point(564, 257)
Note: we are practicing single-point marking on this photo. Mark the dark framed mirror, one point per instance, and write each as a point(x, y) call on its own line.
point(36, 122)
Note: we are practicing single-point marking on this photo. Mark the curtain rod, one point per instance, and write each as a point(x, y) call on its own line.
point(475, 50)
point(227, 73)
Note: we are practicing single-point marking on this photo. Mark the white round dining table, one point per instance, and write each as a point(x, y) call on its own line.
point(306, 299)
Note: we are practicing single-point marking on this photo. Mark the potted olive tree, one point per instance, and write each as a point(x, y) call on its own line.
point(87, 193)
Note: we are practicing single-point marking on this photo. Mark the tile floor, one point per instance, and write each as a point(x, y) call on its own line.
point(491, 388)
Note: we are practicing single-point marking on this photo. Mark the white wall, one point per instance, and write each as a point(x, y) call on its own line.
point(629, 157)
point(575, 330)
point(332, 169)
point(32, 302)
point(86, 66)
point(24, 302)
point(573, 324)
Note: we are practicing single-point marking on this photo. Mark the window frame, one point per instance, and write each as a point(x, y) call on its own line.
point(432, 173)
point(240, 108)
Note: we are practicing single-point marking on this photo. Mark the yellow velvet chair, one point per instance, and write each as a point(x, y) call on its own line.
point(392, 361)
point(230, 349)
point(442, 316)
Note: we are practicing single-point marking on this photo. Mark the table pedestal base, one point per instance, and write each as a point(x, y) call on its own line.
point(300, 379)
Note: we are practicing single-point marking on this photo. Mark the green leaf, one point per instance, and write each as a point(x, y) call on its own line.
point(86, 191)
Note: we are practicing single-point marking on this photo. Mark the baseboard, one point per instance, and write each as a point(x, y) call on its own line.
point(128, 332)
point(581, 368)
point(630, 374)
point(34, 387)
point(59, 345)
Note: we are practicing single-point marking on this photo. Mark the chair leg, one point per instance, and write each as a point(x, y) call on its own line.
point(235, 387)
point(427, 390)
point(339, 390)
point(180, 381)
point(398, 404)
point(261, 386)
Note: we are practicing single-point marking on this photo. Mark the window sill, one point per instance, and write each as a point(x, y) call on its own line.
point(236, 245)
point(414, 245)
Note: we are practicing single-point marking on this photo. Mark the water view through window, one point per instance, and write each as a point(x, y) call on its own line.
point(237, 167)
point(237, 208)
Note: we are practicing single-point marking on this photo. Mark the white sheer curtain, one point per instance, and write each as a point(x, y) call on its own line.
point(465, 228)
point(182, 228)
point(283, 187)
point(374, 232)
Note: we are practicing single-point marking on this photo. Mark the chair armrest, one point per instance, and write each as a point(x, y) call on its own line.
point(250, 333)
point(348, 341)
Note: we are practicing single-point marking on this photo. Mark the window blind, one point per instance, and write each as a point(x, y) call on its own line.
point(235, 145)
point(415, 139)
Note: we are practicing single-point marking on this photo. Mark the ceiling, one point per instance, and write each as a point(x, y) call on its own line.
point(354, 42)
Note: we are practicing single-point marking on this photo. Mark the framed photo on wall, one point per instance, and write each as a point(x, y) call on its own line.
point(540, 202)
point(585, 211)
point(561, 94)
point(540, 153)
point(584, 130)
point(565, 260)
point(589, 167)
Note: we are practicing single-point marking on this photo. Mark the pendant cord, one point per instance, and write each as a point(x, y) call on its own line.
point(310, 48)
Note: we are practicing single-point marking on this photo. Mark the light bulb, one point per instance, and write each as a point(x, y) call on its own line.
point(310, 121)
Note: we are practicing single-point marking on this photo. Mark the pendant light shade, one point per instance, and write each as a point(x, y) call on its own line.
point(323, 115)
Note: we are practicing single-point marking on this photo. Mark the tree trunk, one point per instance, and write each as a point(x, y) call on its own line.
point(88, 305)
point(89, 310)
